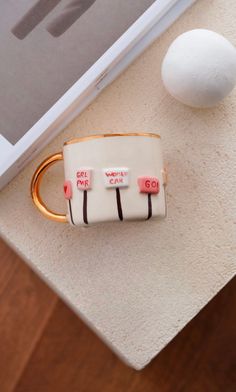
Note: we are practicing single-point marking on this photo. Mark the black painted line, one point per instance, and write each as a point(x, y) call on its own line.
point(149, 206)
point(71, 216)
point(119, 206)
point(85, 202)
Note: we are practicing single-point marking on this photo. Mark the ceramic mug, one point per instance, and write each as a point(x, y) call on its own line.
point(108, 177)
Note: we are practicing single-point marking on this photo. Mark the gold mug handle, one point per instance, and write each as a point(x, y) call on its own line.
point(35, 188)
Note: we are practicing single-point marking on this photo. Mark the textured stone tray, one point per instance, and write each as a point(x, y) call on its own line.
point(137, 285)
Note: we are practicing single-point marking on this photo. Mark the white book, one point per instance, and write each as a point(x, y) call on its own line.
point(58, 55)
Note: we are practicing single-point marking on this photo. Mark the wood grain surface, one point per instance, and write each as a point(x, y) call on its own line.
point(44, 347)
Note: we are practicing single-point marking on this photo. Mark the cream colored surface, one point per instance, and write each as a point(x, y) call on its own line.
point(138, 285)
point(140, 154)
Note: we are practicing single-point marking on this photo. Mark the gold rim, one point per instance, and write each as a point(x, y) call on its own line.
point(99, 136)
point(35, 188)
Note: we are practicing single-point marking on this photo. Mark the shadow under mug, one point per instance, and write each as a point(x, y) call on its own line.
point(108, 177)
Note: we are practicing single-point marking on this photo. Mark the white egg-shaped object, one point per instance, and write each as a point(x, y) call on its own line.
point(199, 68)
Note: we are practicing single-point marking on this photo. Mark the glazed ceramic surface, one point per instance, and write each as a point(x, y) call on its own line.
point(114, 178)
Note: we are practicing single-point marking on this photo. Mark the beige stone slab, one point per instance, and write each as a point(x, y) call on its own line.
point(140, 297)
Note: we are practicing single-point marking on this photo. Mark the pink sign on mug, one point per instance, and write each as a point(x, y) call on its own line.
point(84, 179)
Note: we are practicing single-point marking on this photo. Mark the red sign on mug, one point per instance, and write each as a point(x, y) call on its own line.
point(149, 184)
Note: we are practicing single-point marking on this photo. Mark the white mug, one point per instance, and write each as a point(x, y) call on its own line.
point(108, 177)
